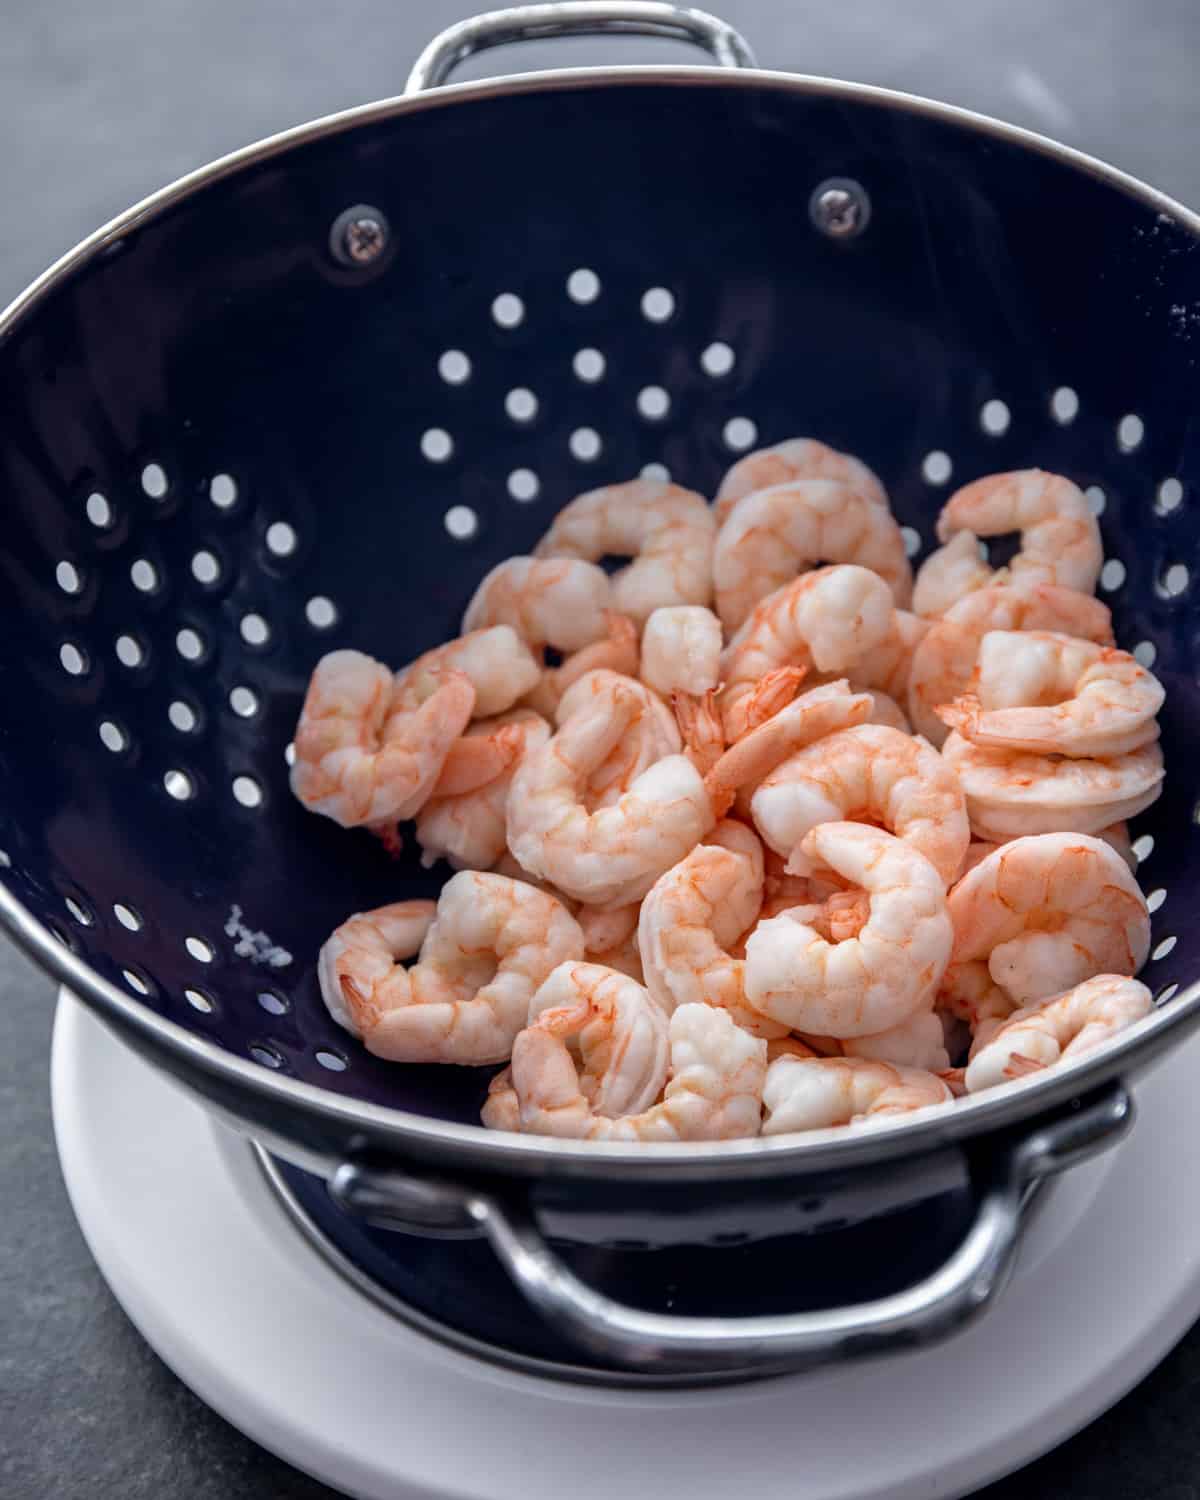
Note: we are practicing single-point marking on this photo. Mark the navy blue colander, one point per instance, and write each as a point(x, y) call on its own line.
point(224, 451)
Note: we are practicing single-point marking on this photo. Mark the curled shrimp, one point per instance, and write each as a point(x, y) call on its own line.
point(463, 821)
point(559, 602)
point(693, 915)
point(491, 944)
point(610, 855)
point(950, 574)
point(617, 651)
point(681, 650)
point(945, 658)
point(773, 534)
point(1058, 1029)
point(870, 774)
point(498, 664)
point(667, 531)
point(827, 620)
point(652, 735)
point(713, 1090)
point(1116, 837)
point(1060, 540)
point(811, 1093)
point(1047, 912)
point(798, 458)
point(873, 981)
point(1010, 794)
point(1042, 691)
point(367, 754)
point(621, 1038)
point(918, 1042)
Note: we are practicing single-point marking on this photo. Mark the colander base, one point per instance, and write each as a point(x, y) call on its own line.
point(210, 1269)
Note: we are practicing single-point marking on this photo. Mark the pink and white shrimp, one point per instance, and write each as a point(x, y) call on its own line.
point(667, 531)
point(797, 458)
point(559, 602)
point(483, 953)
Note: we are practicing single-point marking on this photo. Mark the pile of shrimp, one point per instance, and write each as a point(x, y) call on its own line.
point(778, 838)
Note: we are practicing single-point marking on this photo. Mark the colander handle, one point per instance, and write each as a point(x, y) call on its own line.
point(523, 23)
point(630, 1338)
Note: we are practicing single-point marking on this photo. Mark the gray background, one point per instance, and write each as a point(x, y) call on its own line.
point(101, 103)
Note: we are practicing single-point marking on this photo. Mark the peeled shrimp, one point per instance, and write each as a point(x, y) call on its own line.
point(464, 820)
point(1065, 1026)
point(614, 854)
point(873, 774)
point(559, 602)
point(1014, 793)
point(497, 662)
point(681, 650)
point(811, 1093)
point(713, 1092)
point(798, 458)
point(667, 530)
point(622, 1043)
point(919, 1042)
point(1116, 837)
point(877, 979)
point(950, 574)
point(692, 917)
point(1042, 691)
point(617, 651)
point(945, 658)
point(491, 944)
point(1060, 540)
point(1047, 912)
point(366, 754)
point(773, 534)
point(652, 735)
point(827, 620)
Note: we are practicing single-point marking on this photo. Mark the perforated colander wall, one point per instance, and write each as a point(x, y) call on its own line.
point(222, 455)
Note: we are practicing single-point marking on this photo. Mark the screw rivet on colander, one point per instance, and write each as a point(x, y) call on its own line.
point(359, 235)
point(840, 208)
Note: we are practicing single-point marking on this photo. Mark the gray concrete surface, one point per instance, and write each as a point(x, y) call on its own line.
point(103, 102)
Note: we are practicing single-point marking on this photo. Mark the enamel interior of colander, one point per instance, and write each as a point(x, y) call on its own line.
point(223, 454)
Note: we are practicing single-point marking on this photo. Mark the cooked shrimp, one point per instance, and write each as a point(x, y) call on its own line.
point(497, 662)
point(945, 658)
point(798, 458)
point(888, 666)
point(1013, 793)
point(968, 993)
point(614, 854)
point(366, 754)
point(1049, 911)
point(1043, 691)
point(681, 650)
point(876, 980)
point(1060, 540)
point(713, 1092)
point(1063, 1027)
point(491, 944)
point(464, 820)
point(1116, 837)
point(617, 651)
point(811, 1093)
point(652, 735)
point(773, 534)
point(950, 574)
point(866, 774)
point(559, 602)
point(827, 620)
point(693, 915)
point(667, 530)
point(886, 711)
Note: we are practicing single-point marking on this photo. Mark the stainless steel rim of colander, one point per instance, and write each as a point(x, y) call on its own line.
point(312, 1119)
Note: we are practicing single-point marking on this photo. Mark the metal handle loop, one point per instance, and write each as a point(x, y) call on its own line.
point(521, 23)
point(655, 1342)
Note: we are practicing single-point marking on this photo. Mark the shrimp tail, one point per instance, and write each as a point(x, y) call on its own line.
point(774, 690)
point(700, 727)
point(390, 837)
point(963, 714)
point(475, 761)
